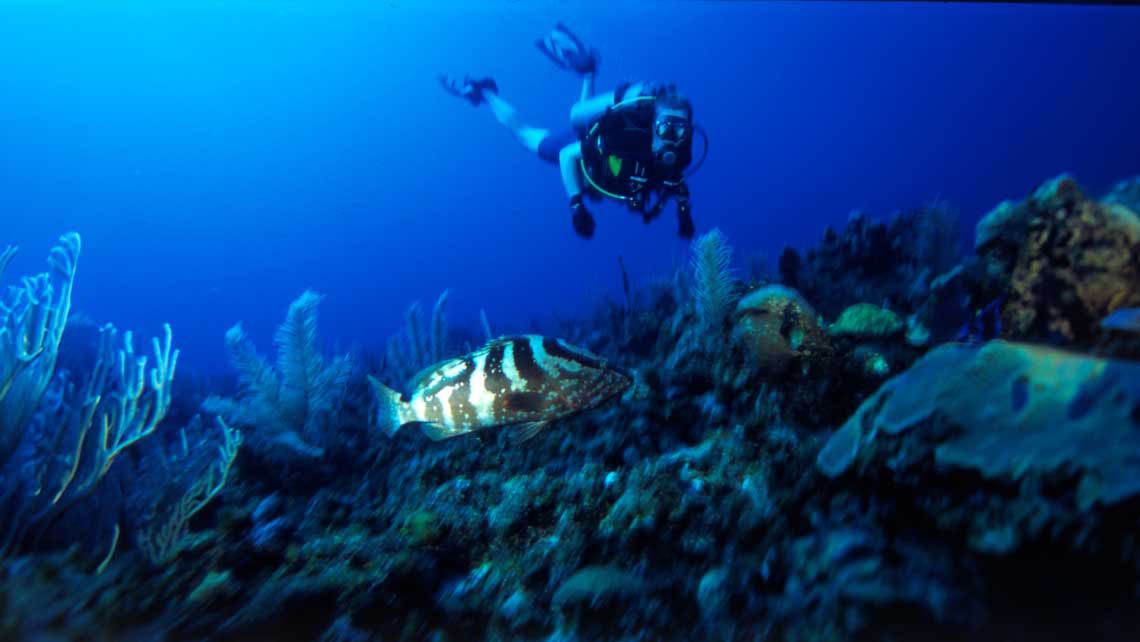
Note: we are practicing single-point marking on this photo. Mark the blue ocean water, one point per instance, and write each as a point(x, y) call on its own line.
point(218, 159)
point(913, 426)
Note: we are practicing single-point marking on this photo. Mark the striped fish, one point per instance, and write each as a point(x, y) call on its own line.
point(526, 380)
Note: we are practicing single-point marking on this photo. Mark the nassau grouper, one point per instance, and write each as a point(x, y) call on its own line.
point(525, 380)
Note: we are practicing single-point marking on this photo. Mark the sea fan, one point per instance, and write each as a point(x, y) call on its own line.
point(418, 346)
point(714, 285)
point(298, 359)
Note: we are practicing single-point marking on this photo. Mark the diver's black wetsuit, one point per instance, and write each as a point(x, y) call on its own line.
point(553, 143)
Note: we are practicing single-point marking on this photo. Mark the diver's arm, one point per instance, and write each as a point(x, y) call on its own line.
point(568, 160)
point(588, 110)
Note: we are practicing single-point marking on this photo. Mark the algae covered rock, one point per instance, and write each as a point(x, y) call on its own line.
point(1066, 261)
point(1126, 193)
point(1079, 263)
point(865, 320)
point(1010, 412)
point(1004, 223)
point(779, 328)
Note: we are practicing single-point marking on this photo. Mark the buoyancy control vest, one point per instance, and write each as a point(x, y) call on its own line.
point(618, 159)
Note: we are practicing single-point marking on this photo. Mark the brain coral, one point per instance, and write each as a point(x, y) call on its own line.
point(866, 320)
point(779, 328)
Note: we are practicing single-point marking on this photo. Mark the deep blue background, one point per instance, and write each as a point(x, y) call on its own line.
point(219, 161)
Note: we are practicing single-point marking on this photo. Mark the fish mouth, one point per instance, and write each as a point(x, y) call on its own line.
point(612, 382)
point(625, 372)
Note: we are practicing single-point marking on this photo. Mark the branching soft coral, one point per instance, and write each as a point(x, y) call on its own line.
point(714, 285)
point(61, 432)
point(32, 320)
point(289, 411)
point(179, 480)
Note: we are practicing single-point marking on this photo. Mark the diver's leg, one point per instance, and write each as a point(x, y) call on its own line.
point(507, 115)
point(587, 87)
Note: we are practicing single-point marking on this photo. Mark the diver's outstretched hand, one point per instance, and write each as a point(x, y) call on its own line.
point(568, 51)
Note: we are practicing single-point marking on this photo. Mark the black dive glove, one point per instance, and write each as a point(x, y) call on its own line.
point(684, 221)
point(684, 214)
point(583, 222)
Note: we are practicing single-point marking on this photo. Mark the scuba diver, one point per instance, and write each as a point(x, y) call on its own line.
point(632, 144)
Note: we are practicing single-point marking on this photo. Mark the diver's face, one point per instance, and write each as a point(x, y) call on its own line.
point(671, 127)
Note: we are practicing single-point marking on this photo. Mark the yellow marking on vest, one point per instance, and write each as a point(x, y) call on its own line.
point(615, 165)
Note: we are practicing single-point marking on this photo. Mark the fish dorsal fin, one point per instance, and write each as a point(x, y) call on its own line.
point(520, 433)
point(506, 338)
point(422, 375)
point(435, 432)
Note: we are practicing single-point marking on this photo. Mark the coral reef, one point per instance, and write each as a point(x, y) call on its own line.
point(888, 263)
point(969, 487)
point(85, 465)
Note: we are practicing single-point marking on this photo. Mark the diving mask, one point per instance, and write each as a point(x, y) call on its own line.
point(672, 128)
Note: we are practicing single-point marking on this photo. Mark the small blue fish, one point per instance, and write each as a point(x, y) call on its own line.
point(1125, 319)
point(985, 325)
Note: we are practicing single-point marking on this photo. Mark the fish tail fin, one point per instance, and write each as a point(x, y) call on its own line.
point(388, 404)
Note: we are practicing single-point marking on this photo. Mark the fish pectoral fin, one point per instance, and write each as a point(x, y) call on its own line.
point(435, 432)
point(527, 431)
point(525, 401)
